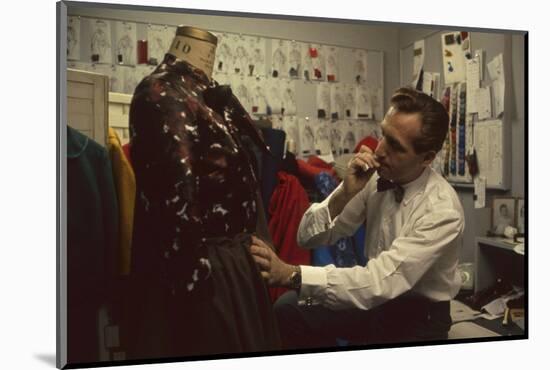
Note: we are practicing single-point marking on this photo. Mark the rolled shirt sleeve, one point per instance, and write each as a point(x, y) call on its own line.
point(318, 228)
point(394, 272)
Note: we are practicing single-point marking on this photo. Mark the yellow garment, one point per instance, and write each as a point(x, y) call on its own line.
point(125, 183)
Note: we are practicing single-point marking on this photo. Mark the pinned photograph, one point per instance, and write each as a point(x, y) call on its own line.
point(503, 212)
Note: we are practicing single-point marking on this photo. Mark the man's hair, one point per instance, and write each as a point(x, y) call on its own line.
point(434, 117)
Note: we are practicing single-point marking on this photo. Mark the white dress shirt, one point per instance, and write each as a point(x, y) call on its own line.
point(412, 246)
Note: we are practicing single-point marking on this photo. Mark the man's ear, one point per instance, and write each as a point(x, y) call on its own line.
point(429, 157)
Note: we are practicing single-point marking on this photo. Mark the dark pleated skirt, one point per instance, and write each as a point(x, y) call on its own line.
point(235, 318)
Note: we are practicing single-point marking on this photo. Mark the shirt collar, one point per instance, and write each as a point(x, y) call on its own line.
point(416, 186)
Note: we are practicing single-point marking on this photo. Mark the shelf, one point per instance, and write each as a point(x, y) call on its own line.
point(495, 257)
point(467, 185)
point(498, 242)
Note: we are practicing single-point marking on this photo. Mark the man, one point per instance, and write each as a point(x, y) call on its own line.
point(413, 234)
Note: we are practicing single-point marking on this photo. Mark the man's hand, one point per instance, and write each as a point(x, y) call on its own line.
point(360, 169)
point(273, 270)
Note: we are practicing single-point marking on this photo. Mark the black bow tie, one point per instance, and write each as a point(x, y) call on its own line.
point(383, 185)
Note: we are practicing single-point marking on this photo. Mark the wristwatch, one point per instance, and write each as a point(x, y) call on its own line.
point(296, 279)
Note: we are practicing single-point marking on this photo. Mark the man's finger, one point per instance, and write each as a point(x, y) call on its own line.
point(370, 159)
point(365, 149)
point(258, 242)
point(362, 164)
point(260, 252)
point(372, 163)
point(262, 263)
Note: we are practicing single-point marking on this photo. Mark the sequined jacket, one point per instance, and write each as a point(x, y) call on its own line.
point(194, 177)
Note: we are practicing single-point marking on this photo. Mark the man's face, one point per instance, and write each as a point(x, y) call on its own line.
point(398, 160)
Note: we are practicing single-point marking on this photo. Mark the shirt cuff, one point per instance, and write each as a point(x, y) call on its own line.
point(321, 218)
point(314, 284)
point(317, 218)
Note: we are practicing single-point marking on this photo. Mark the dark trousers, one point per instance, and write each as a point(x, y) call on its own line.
point(403, 319)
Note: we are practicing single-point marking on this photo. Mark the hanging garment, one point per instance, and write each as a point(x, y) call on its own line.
point(307, 171)
point(369, 141)
point(125, 183)
point(92, 243)
point(286, 208)
point(195, 184)
point(126, 150)
point(345, 253)
point(275, 139)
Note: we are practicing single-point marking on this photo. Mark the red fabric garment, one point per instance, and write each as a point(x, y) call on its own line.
point(369, 141)
point(286, 208)
point(126, 150)
point(309, 171)
point(318, 162)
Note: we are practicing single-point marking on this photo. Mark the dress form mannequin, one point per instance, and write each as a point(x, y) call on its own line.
point(195, 46)
point(195, 211)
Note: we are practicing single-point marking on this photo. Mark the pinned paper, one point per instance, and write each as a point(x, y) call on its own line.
point(224, 54)
point(472, 81)
point(349, 136)
point(318, 63)
point(322, 138)
point(259, 97)
point(349, 101)
point(498, 96)
point(159, 40)
point(307, 137)
point(480, 186)
point(101, 49)
point(363, 105)
point(125, 43)
point(336, 139)
point(274, 96)
point(292, 131)
point(332, 63)
point(430, 84)
point(376, 102)
point(337, 101)
point(294, 60)
point(257, 45)
point(73, 38)
point(427, 82)
point(478, 54)
point(496, 73)
point(484, 103)
point(360, 65)
point(323, 100)
point(241, 87)
point(279, 58)
point(242, 55)
point(489, 150)
point(495, 68)
point(307, 62)
point(289, 97)
point(418, 55)
point(455, 51)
